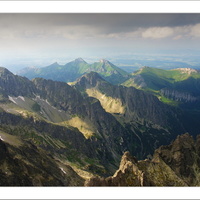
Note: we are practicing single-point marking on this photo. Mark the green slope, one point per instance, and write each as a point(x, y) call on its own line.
point(155, 78)
point(73, 70)
point(171, 86)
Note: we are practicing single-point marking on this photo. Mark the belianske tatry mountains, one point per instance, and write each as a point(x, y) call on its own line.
point(56, 133)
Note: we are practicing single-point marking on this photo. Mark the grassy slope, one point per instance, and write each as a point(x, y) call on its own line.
point(73, 70)
point(155, 79)
point(170, 76)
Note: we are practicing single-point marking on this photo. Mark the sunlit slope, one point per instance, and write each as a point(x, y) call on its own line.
point(74, 69)
point(175, 86)
point(155, 79)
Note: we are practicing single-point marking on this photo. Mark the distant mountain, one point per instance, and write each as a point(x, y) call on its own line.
point(73, 70)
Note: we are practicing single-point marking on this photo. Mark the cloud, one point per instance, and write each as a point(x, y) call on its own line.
point(157, 32)
point(195, 30)
point(77, 26)
point(6, 35)
point(178, 37)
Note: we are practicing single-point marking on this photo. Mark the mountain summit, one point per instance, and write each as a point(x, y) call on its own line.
point(79, 60)
point(104, 61)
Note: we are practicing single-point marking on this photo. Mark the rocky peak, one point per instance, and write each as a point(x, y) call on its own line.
point(143, 68)
point(93, 75)
point(187, 70)
point(79, 60)
point(104, 61)
point(127, 158)
point(176, 164)
point(5, 72)
point(55, 64)
point(184, 141)
point(89, 79)
point(14, 85)
point(181, 156)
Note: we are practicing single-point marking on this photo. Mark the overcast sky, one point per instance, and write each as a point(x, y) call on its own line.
point(42, 37)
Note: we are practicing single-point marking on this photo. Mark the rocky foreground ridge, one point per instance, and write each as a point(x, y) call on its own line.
point(177, 164)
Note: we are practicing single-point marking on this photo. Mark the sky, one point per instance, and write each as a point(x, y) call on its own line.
point(38, 39)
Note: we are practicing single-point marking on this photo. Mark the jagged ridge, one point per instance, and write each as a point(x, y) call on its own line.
point(174, 165)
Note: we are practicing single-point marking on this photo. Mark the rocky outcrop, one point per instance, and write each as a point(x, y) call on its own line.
point(178, 95)
point(186, 70)
point(176, 164)
point(183, 158)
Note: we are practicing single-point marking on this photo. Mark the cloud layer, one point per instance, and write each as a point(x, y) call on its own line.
point(86, 26)
point(48, 35)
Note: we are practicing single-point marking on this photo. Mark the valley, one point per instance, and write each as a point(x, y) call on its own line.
point(82, 120)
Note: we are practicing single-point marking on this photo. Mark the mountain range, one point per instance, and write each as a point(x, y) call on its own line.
point(176, 87)
point(84, 128)
point(74, 69)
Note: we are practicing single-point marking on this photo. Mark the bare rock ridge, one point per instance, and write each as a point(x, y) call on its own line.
point(177, 164)
point(186, 70)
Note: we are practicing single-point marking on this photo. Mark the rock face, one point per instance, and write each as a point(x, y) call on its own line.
point(178, 96)
point(14, 85)
point(183, 158)
point(176, 164)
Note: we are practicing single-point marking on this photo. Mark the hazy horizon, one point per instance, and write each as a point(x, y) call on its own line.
point(41, 39)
